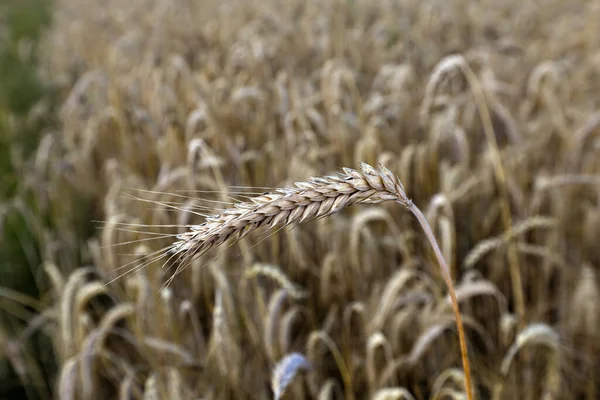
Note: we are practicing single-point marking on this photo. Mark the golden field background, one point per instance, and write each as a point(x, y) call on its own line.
point(486, 110)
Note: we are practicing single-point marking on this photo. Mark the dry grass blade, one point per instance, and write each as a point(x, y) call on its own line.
point(67, 384)
point(151, 388)
point(393, 394)
point(540, 334)
point(485, 246)
point(375, 342)
point(321, 336)
point(449, 376)
point(296, 292)
point(286, 370)
point(330, 390)
point(395, 285)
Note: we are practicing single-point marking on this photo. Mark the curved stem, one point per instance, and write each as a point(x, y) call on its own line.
point(446, 273)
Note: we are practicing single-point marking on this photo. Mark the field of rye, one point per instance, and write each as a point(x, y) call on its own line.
point(226, 203)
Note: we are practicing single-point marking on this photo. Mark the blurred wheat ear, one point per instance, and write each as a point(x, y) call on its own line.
point(307, 201)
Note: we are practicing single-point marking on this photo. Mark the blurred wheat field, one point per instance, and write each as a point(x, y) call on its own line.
point(488, 112)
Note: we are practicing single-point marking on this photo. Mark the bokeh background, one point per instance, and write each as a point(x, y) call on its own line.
point(122, 122)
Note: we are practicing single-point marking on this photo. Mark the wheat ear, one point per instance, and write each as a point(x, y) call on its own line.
point(307, 201)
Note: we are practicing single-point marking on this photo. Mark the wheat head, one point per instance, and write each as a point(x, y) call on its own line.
point(307, 201)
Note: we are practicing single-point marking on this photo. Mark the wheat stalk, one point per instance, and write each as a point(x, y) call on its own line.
point(317, 198)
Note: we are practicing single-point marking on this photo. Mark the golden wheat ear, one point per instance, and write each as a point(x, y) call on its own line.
point(307, 201)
